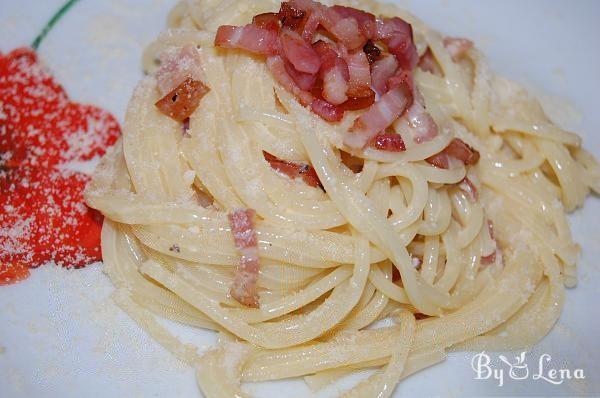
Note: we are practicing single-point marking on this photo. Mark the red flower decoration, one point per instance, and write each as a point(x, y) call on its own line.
point(43, 216)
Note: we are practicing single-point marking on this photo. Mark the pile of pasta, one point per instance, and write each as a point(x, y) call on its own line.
point(382, 268)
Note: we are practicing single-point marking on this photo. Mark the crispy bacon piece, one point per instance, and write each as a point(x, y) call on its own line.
point(294, 170)
point(372, 51)
point(180, 103)
point(334, 73)
point(379, 116)
point(457, 47)
point(439, 160)
point(460, 150)
point(335, 82)
point(366, 21)
point(467, 186)
point(398, 36)
point(305, 81)
point(277, 67)
point(300, 53)
point(344, 71)
point(250, 37)
point(327, 111)
point(357, 103)
point(324, 49)
point(305, 17)
point(176, 65)
point(419, 124)
point(389, 142)
point(428, 63)
point(360, 74)
point(345, 29)
point(310, 27)
point(359, 92)
point(457, 149)
point(244, 288)
point(490, 259)
point(403, 79)
point(381, 71)
point(267, 20)
point(290, 16)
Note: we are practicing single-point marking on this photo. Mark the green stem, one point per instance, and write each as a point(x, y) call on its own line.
point(59, 14)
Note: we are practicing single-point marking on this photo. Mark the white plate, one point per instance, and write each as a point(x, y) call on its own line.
point(64, 337)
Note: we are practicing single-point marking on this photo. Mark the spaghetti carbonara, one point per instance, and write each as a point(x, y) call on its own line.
point(322, 219)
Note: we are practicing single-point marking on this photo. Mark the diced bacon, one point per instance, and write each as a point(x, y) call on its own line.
point(300, 53)
point(456, 149)
point(397, 35)
point(379, 116)
point(249, 37)
point(277, 67)
point(242, 228)
point(460, 150)
point(457, 47)
point(419, 124)
point(305, 81)
point(467, 186)
point(381, 71)
point(360, 74)
point(345, 29)
point(180, 103)
point(389, 142)
point(311, 25)
point(310, 20)
point(348, 33)
point(439, 160)
point(404, 79)
point(429, 64)
point(267, 20)
point(290, 16)
point(366, 21)
point(306, 5)
point(327, 111)
point(294, 170)
point(244, 287)
point(335, 82)
point(176, 65)
point(372, 51)
point(334, 73)
point(490, 259)
point(357, 103)
point(324, 49)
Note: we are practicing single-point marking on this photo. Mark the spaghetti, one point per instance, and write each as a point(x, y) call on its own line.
point(292, 235)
